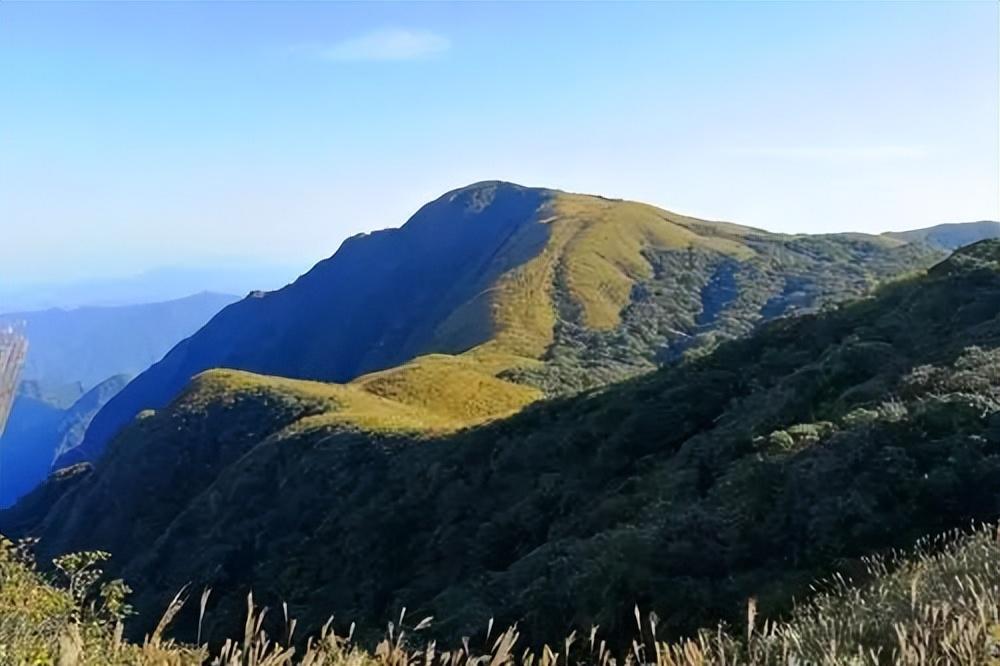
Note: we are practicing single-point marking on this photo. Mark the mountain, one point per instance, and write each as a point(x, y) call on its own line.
point(90, 344)
point(950, 236)
point(40, 431)
point(170, 283)
point(495, 295)
point(744, 471)
point(71, 351)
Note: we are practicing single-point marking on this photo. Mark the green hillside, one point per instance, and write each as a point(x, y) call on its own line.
point(523, 292)
point(747, 471)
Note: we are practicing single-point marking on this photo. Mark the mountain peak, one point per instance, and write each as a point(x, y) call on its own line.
point(490, 186)
point(490, 281)
point(505, 199)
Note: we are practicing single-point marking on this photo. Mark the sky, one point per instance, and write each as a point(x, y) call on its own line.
point(140, 135)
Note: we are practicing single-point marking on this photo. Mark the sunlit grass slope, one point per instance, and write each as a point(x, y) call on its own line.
point(597, 243)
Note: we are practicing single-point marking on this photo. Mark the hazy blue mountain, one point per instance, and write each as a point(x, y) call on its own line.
point(153, 286)
point(73, 351)
point(24, 453)
point(62, 396)
point(39, 430)
point(950, 236)
point(90, 344)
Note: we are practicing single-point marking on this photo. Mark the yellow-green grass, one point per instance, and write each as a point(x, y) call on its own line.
point(598, 244)
point(327, 404)
point(434, 394)
point(453, 388)
point(603, 244)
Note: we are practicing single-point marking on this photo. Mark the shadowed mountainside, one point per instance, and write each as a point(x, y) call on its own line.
point(41, 430)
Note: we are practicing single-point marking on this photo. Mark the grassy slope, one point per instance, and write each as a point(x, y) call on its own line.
point(601, 242)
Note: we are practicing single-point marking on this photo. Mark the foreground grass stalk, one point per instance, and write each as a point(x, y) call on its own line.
point(938, 606)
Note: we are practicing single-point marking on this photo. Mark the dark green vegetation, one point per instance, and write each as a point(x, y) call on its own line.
point(42, 428)
point(514, 293)
point(745, 471)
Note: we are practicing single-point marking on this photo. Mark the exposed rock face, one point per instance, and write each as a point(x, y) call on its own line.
point(13, 348)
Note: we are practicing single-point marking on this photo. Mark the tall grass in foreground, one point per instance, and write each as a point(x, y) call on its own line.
point(939, 605)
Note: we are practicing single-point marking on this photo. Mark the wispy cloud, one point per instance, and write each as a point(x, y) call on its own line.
point(839, 153)
point(385, 45)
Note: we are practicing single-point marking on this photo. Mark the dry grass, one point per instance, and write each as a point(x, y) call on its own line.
point(938, 607)
point(603, 255)
point(431, 394)
point(327, 404)
point(454, 388)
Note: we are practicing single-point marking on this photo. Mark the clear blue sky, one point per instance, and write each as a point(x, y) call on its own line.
point(138, 135)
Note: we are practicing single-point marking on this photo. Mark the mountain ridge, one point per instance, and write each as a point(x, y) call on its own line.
point(951, 235)
point(520, 285)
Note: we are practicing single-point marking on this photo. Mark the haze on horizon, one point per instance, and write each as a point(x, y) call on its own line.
point(140, 135)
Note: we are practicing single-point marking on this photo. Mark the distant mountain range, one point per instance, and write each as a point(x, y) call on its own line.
point(90, 344)
point(76, 361)
point(950, 236)
point(153, 286)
